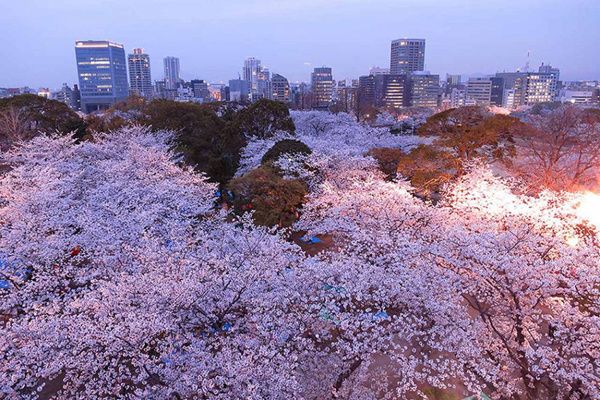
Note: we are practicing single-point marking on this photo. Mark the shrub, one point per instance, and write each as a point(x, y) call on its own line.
point(274, 200)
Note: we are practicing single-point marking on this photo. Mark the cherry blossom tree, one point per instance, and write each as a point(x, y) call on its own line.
point(515, 299)
point(123, 280)
point(560, 149)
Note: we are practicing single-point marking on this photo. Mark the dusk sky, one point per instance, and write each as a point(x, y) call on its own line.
point(212, 38)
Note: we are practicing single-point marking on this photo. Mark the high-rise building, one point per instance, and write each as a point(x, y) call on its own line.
point(76, 98)
point(102, 72)
point(300, 95)
point(322, 87)
point(366, 91)
point(548, 69)
point(479, 91)
point(540, 88)
point(64, 95)
point(453, 79)
point(457, 97)
point(281, 88)
point(345, 96)
point(251, 71)
point(225, 93)
point(497, 94)
point(527, 88)
point(407, 55)
point(264, 88)
point(200, 89)
point(390, 91)
point(510, 78)
point(424, 89)
point(239, 90)
point(140, 78)
point(171, 65)
point(508, 98)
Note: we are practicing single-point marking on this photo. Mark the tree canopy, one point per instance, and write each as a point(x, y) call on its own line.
point(262, 119)
point(122, 277)
point(27, 115)
point(209, 143)
point(473, 132)
point(286, 146)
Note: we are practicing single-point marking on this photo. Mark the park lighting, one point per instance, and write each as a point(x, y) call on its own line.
point(589, 208)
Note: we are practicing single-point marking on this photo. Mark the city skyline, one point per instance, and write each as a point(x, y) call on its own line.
point(554, 32)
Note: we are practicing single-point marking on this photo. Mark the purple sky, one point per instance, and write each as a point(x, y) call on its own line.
point(212, 37)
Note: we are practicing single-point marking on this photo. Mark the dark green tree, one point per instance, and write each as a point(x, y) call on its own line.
point(286, 146)
point(263, 118)
point(38, 114)
point(209, 143)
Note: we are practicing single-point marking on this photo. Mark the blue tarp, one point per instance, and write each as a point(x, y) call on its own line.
point(4, 284)
point(338, 289)
point(381, 315)
point(311, 240)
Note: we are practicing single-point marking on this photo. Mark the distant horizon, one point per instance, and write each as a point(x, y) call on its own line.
point(213, 40)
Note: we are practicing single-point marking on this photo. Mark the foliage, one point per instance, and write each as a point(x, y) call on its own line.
point(262, 119)
point(491, 271)
point(285, 146)
point(543, 108)
point(120, 279)
point(27, 115)
point(208, 143)
point(428, 168)
point(472, 132)
point(560, 149)
point(225, 110)
point(273, 200)
point(387, 158)
point(318, 130)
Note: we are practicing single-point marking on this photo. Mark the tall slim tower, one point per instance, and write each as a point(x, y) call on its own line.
point(171, 72)
point(407, 55)
point(322, 87)
point(252, 71)
point(140, 79)
point(102, 72)
point(281, 88)
point(265, 90)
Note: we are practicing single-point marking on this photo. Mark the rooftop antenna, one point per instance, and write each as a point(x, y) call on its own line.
point(527, 63)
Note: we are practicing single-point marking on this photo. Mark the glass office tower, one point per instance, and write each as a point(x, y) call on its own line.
point(407, 55)
point(140, 77)
point(102, 71)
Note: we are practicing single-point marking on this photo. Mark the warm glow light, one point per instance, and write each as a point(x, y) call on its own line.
point(589, 208)
point(573, 241)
